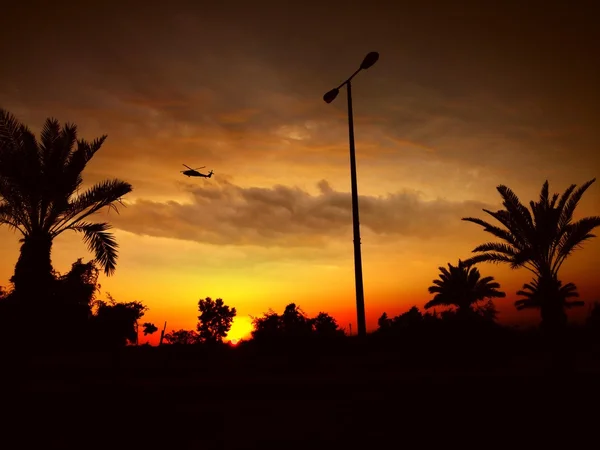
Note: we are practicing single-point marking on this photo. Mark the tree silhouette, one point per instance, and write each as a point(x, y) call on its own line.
point(407, 320)
point(462, 286)
point(75, 294)
point(534, 294)
point(149, 328)
point(215, 319)
point(40, 198)
point(267, 327)
point(325, 325)
point(181, 337)
point(384, 323)
point(539, 240)
point(593, 319)
point(115, 323)
point(293, 324)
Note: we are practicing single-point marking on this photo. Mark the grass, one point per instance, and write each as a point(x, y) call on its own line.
point(346, 396)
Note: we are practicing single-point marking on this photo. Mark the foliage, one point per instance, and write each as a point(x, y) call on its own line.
point(115, 323)
point(487, 311)
point(552, 298)
point(294, 323)
point(462, 286)
point(539, 239)
point(182, 337)
point(533, 295)
point(214, 321)
point(40, 198)
point(78, 287)
point(593, 319)
point(325, 325)
point(149, 328)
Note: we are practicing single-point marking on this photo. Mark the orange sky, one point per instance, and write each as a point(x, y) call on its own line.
point(459, 102)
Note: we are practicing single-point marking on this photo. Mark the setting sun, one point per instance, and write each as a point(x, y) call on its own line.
point(240, 329)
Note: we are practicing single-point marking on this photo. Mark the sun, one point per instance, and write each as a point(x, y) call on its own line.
point(240, 329)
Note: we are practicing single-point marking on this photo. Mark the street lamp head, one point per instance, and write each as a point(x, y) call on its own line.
point(331, 95)
point(369, 60)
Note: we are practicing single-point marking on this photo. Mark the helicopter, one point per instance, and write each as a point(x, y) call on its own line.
point(194, 172)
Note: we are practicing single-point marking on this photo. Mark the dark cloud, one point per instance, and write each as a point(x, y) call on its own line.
point(223, 213)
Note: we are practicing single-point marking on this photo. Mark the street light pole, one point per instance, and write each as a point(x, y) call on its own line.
point(369, 60)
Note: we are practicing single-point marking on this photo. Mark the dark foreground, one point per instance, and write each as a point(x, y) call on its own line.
point(359, 400)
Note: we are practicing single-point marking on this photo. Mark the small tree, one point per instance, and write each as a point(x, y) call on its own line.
point(181, 337)
point(326, 325)
point(116, 322)
point(215, 319)
point(149, 328)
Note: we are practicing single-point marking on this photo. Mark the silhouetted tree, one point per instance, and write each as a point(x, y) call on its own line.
point(292, 324)
point(182, 337)
point(149, 328)
point(411, 319)
point(39, 197)
point(269, 326)
point(539, 240)
point(115, 323)
point(295, 322)
point(71, 310)
point(78, 287)
point(384, 322)
point(593, 319)
point(325, 325)
point(487, 311)
point(534, 293)
point(462, 286)
point(215, 319)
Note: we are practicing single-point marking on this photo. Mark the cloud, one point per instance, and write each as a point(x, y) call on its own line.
point(222, 213)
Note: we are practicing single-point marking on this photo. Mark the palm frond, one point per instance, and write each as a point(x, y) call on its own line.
point(544, 194)
point(10, 132)
point(497, 247)
point(574, 304)
point(517, 211)
point(575, 234)
point(527, 303)
point(570, 205)
point(8, 217)
point(492, 257)
point(101, 242)
point(101, 195)
point(496, 231)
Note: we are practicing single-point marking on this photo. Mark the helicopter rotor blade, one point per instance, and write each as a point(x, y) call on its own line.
point(187, 166)
point(200, 167)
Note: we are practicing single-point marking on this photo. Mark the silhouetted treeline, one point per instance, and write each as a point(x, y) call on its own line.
point(40, 198)
point(70, 316)
point(214, 322)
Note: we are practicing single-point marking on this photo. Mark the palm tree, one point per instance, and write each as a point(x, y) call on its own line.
point(462, 286)
point(534, 294)
point(539, 240)
point(40, 198)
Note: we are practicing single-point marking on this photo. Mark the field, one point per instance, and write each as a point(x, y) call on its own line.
point(359, 398)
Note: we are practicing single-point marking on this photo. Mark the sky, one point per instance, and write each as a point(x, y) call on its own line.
point(465, 96)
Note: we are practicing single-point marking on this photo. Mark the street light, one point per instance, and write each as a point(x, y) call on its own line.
point(330, 96)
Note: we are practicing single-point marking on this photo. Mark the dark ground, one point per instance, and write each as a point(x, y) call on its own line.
point(144, 399)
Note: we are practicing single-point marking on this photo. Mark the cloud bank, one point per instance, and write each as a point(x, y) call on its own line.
point(223, 213)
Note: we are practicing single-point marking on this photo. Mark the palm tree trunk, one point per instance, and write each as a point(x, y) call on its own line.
point(33, 272)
